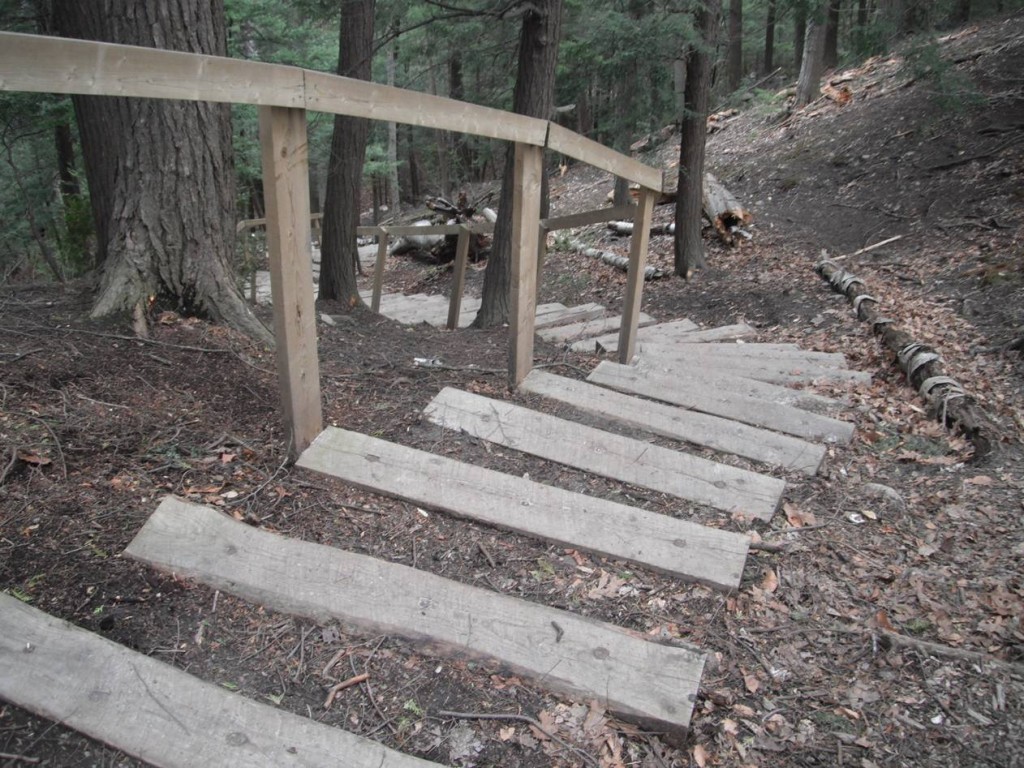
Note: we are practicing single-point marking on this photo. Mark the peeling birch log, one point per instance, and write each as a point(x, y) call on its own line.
point(922, 365)
point(616, 260)
point(626, 228)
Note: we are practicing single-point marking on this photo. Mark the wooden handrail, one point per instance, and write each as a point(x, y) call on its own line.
point(41, 64)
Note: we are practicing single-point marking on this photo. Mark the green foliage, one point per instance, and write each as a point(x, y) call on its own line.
point(29, 192)
point(951, 89)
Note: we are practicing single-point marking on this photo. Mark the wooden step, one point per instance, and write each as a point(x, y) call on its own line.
point(698, 353)
point(577, 314)
point(762, 390)
point(775, 371)
point(684, 330)
point(155, 712)
point(692, 391)
point(610, 455)
point(588, 328)
point(646, 682)
point(677, 423)
point(677, 547)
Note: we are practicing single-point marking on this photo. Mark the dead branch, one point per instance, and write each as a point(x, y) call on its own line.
point(928, 647)
point(922, 365)
point(355, 680)
point(522, 719)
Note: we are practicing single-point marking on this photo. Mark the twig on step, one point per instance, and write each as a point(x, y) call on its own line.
point(590, 759)
point(356, 680)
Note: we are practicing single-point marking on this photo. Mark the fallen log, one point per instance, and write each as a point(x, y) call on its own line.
point(922, 365)
point(720, 206)
point(626, 228)
point(616, 260)
point(723, 210)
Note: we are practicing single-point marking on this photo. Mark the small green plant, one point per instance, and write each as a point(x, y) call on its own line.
point(918, 626)
point(411, 706)
point(950, 88)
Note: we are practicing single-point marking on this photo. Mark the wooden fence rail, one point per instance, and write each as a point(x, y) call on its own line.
point(59, 65)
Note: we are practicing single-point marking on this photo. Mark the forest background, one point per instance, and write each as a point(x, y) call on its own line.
point(620, 76)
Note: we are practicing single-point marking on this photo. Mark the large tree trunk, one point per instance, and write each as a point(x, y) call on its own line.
point(769, 39)
point(339, 254)
point(160, 173)
point(689, 247)
point(799, 33)
point(534, 96)
point(735, 56)
point(809, 84)
point(831, 56)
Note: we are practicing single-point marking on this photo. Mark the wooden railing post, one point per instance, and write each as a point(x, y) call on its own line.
point(529, 169)
point(378, 269)
point(286, 190)
point(459, 277)
point(635, 277)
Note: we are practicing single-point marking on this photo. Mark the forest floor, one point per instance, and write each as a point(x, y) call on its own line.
point(867, 631)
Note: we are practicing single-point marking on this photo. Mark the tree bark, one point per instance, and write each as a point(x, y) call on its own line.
point(809, 83)
point(735, 48)
point(534, 96)
point(831, 56)
point(689, 247)
point(961, 12)
point(160, 173)
point(799, 33)
point(769, 39)
point(394, 195)
point(339, 254)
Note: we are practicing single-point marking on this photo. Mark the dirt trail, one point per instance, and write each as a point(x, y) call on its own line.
point(872, 627)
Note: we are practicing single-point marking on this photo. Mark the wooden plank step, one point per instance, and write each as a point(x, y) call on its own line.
point(699, 352)
point(683, 330)
point(610, 341)
point(692, 391)
point(156, 712)
point(568, 315)
point(603, 453)
point(677, 423)
point(677, 547)
point(646, 682)
point(589, 328)
point(763, 390)
point(776, 371)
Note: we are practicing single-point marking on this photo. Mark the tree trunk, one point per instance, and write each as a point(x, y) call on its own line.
point(534, 96)
point(463, 146)
point(799, 33)
point(689, 247)
point(339, 254)
point(65, 160)
point(735, 57)
point(809, 84)
point(961, 12)
point(769, 39)
point(830, 58)
point(160, 173)
point(394, 196)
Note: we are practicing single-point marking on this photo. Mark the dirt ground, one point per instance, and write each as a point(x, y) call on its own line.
point(869, 629)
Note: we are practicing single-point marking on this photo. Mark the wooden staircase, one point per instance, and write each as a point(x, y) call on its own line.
point(689, 385)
